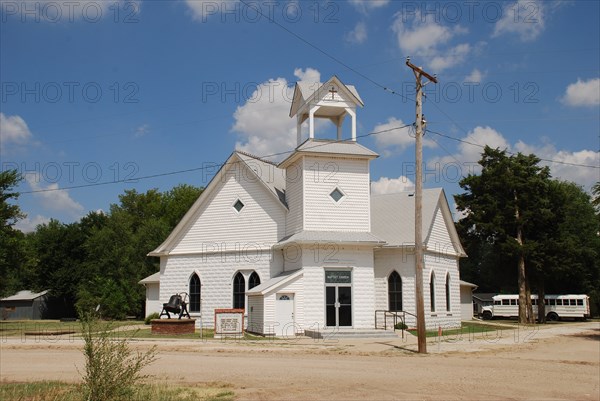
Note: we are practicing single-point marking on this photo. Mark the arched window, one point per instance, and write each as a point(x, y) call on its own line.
point(239, 291)
point(448, 292)
point(253, 281)
point(395, 292)
point(194, 293)
point(432, 291)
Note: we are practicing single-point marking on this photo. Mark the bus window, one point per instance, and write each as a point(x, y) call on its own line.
point(580, 302)
point(559, 302)
point(534, 302)
point(573, 302)
point(506, 302)
point(513, 301)
point(497, 303)
point(545, 301)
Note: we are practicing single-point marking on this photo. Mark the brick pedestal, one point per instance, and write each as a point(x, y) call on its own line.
point(173, 326)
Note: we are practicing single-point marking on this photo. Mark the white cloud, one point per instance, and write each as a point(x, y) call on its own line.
point(475, 76)
point(583, 93)
point(13, 129)
point(141, 131)
point(524, 18)
point(365, 5)
point(202, 9)
point(14, 132)
point(454, 56)
point(358, 35)
point(28, 225)
point(52, 198)
point(581, 175)
point(422, 36)
point(263, 122)
point(467, 156)
point(53, 11)
point(396, 140)
point(386, 185)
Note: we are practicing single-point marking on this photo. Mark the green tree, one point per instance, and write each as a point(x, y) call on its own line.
point(504, 205)
point(117, 252)
point(11, 240)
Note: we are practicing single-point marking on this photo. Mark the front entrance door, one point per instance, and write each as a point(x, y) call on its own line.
point(338, 305)
point(285, 315)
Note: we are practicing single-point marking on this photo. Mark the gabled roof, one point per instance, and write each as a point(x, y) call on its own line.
point(393, 217)
point(331, 237)
point(306, 92)
point(275, 282)
point(25, 295)
point(329, 147)
point(152, 279)
point(266, 173)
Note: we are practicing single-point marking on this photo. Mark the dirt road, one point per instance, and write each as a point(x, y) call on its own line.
point(560, 362)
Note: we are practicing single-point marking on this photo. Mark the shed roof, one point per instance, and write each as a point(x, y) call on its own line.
point(484, 296)
point(151, 279)
point(275, 282)
point(308, 236)
point(25, 295)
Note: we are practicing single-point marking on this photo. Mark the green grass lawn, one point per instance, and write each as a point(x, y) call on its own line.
point(19, 328)
point(58, 391)
point(466, 329)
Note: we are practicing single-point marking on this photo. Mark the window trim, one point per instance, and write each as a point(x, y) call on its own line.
point(193, 294)
point(432, 291)
point(238, 199)
point(448, 298)
point(395, 274)
point(236, 294)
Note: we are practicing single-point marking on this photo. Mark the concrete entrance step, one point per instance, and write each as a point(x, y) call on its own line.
point(350, 333)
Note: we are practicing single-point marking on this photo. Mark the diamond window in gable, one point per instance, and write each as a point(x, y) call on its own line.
point(238, 205)
point(336, 195)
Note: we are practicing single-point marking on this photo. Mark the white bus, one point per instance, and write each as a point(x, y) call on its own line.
point(557, 306)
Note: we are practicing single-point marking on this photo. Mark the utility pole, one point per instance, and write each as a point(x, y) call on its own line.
point(419, 74)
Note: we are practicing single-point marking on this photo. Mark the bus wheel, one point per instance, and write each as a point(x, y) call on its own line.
point(552, 316)
point(487, 315)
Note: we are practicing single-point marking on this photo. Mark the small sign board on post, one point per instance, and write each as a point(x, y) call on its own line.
point(229, 323)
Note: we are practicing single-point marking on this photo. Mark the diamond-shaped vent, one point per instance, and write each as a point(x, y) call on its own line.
point(238, 205)
point(336, 195)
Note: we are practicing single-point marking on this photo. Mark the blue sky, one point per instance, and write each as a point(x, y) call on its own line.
point(98, 91)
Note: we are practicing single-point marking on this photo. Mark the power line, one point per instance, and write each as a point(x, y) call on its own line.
point(325, 53)
point(127, 180)
point(511, 153)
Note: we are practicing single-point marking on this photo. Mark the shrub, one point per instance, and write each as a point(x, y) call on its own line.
point(400, 326)
point(112, 368)
point(151, 316)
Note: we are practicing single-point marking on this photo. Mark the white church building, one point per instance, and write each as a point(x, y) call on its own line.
point(303, 245)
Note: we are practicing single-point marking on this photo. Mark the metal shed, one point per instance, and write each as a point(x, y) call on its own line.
point(24, 305)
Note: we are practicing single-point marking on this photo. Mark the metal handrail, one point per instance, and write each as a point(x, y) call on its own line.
point(396, 315)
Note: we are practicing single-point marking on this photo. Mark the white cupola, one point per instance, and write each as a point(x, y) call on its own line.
point(331, 100)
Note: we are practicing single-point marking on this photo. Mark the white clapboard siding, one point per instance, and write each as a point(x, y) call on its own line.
point(360, 261)
point(321, 176)
point(294, 197)
point(216, 273)
point(295, 287)
point(439, 240)
point(402, 261)
point(256, 314)
point(442, 265)
point(218, 227)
